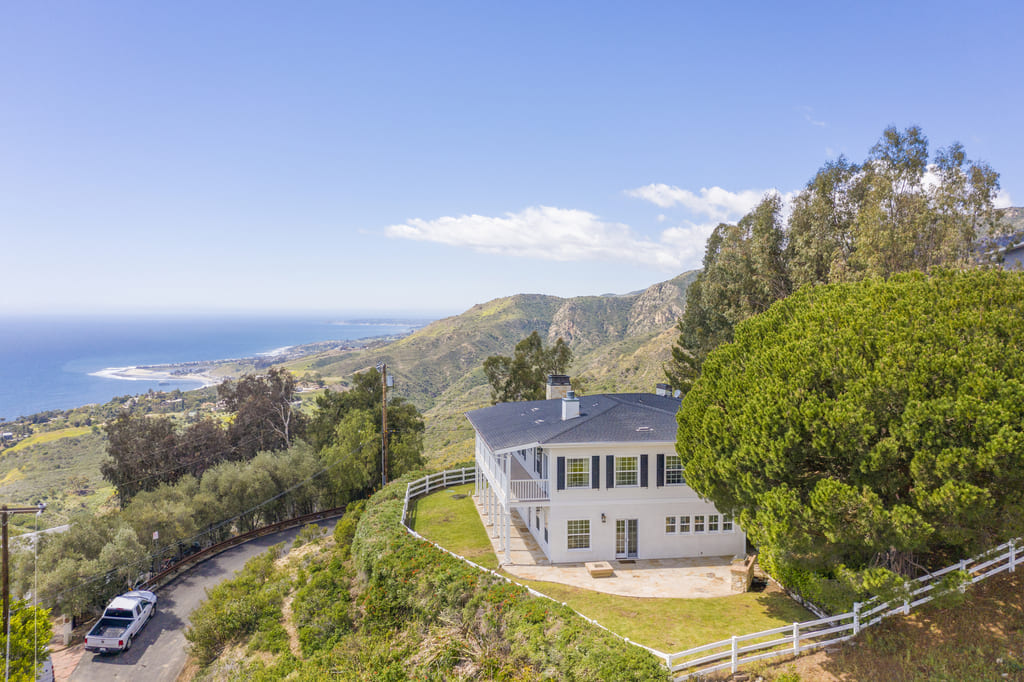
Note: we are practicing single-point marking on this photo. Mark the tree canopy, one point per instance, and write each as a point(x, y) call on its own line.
point(264, 417)
point(870, 424)
point(523, 376)
point(346, 430)
point(894, 212)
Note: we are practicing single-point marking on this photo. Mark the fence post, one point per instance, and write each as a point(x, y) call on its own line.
point(734, 653)
point(856, 618)
point(1013, 556)
point(963, 567)
point(796, 639)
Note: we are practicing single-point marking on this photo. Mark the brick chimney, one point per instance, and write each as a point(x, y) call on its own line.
point(558, 386)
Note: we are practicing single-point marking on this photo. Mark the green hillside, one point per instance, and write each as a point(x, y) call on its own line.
point(619, 341)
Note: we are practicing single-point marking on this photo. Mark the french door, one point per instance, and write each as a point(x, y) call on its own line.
point(625, 538)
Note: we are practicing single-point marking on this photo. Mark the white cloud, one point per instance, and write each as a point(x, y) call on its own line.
point(1003, 199)
point(808, 113)
point(714, 202)
point(544, 232)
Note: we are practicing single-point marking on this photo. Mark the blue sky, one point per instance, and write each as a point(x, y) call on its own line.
point(422, 157)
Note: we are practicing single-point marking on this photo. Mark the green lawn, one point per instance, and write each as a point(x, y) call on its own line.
point(449, 518)
point(668, 625)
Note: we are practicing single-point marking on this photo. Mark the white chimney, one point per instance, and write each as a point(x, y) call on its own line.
point(664, 390)
point(570, 406)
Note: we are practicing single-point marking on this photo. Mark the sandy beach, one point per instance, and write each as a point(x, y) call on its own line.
point(149, 374)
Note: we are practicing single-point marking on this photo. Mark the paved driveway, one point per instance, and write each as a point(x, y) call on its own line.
point(158, 653)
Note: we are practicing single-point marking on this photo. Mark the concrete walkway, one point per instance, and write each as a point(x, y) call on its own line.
point(662, 578)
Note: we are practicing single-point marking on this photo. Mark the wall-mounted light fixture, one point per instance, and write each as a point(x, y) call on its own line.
point(603, 517)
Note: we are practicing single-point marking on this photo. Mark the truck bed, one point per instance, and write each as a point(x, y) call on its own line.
point(110, 627)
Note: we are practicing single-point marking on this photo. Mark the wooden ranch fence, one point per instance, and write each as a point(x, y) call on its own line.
point(794, 639)
point(797, 638)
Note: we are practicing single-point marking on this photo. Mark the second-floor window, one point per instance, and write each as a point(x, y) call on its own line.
point(577, 472)
point(673, 470)
point(626, 471)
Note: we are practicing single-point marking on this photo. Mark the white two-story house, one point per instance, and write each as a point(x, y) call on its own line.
point(595, 478)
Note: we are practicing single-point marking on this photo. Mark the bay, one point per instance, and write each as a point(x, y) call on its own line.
point(47, 363)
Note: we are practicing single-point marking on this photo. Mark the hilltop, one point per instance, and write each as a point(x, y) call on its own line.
point(619, 342)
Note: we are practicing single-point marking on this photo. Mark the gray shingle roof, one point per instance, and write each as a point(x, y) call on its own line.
point(604, 418)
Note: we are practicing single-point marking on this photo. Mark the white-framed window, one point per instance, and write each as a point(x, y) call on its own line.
point(627, 472)
point(577, 472)
point(726, 523)
point(684, 524)
point(670, 524)
point(712, 523)
point(698, 523)
point(673, 470)
point(578, 533)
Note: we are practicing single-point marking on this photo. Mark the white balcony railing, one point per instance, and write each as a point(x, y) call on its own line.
point(529, 490)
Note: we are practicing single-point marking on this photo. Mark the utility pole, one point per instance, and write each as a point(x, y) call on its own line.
point(382, 367)
point(5, 513)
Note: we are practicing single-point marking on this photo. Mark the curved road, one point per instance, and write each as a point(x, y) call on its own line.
point(158, 653)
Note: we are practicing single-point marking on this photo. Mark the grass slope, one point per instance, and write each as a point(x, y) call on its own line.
point(981, 640)
point(372, 602)
point(60, 468)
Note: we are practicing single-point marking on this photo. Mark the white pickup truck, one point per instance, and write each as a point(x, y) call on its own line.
point(121, 621)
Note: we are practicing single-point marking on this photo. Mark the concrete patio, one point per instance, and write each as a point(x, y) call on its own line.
point(663, 578)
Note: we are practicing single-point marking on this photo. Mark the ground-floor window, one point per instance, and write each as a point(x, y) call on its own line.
point(713, 523)
point(670, 524)
point(698, 523)
point(578, 533)
point(684, 524)
point(726, 523)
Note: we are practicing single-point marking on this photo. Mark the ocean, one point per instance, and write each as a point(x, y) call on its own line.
point(46, 363)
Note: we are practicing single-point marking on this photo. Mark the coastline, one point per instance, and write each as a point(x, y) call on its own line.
point(149, 374)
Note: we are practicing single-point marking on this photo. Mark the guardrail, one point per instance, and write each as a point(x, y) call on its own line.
point(192, 560)
point(815, 634)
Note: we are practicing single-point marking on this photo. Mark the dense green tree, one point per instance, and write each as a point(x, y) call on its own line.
point(265, 418)
point(870, 424)
point(365, 393)
point(523, 376)
point(353, 456)
point(30, 633)
point(146, 452)
point(893, 213)
point(142, 454)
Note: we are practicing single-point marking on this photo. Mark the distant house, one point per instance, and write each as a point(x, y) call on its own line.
point(595, 478)
point(1013, 252)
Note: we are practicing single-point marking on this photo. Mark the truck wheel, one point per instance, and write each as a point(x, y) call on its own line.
point(128, 644)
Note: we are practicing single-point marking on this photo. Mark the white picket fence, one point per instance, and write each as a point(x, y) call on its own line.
point(787, 640)
point(813, 634)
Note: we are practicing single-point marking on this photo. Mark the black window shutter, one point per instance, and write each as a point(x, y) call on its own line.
point(661, 470)
point(610, 474)
point(561, 473)
point(595, 471)
point(643, 471)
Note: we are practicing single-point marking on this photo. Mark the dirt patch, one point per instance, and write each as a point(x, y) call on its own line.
point(289, 626)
